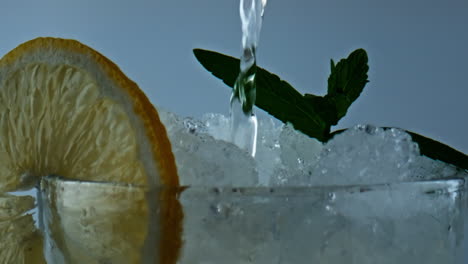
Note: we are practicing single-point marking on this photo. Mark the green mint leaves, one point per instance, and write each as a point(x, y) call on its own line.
point(345, 83)
point(312, 115)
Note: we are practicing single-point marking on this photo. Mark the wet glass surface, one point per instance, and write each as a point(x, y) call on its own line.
point(411, 222)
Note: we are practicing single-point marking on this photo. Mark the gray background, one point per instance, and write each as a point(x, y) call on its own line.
point(417, 49)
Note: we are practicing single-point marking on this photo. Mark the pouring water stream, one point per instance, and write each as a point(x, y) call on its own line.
point(243, 120)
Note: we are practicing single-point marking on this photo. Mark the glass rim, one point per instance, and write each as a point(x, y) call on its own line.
point(429, 186)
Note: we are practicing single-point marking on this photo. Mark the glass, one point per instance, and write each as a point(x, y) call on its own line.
point(92, 222)
point(410, 222)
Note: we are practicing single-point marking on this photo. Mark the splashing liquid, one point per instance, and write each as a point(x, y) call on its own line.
point(243, 120)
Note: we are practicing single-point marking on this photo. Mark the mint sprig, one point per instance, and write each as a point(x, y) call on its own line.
point(345, 83)
point(314, 115)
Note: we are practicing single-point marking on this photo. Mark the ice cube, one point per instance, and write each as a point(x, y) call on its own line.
point(299, 155)
point(281, 150)
point(425, 168)
point(363, 154)
point(205, 161)
point(366, 154)
point(218, 126)
point(267, 157)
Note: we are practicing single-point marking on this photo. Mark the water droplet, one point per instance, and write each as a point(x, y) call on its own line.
point(221, 210)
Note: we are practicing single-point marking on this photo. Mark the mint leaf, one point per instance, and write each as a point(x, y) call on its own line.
point(312, 115)
point(224, 67)
point(274, 95)
point(347, 80)
point(345, 83)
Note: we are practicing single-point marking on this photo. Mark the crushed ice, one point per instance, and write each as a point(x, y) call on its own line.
point(285, 157)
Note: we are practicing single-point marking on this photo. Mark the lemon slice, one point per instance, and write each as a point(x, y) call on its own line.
point(67, 110)
point(20, 242)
